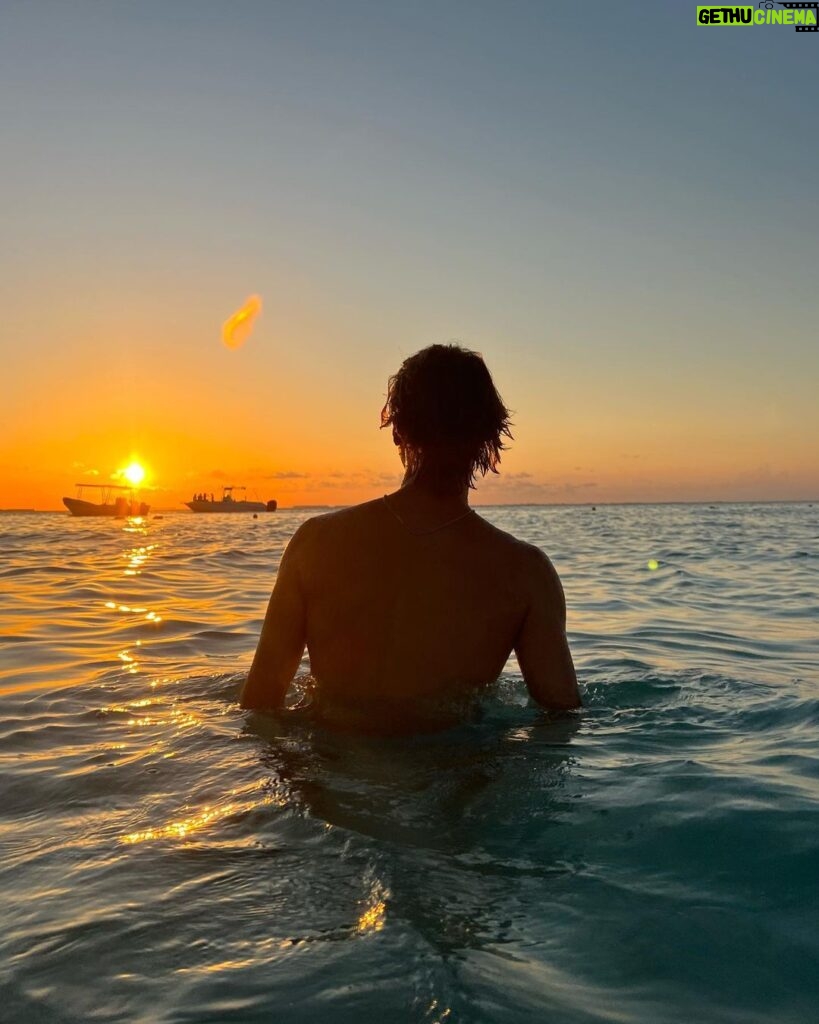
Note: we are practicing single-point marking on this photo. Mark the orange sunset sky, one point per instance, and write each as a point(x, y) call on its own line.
point(635, 262)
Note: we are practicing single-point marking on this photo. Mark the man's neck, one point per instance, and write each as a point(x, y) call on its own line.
point(414, 494)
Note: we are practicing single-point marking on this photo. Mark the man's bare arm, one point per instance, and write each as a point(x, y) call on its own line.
point(542, 648)
point(281, 644)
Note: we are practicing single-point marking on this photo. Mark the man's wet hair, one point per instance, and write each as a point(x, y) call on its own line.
point(447, 418)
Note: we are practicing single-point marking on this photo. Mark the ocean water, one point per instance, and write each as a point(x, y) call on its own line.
point(168, 858)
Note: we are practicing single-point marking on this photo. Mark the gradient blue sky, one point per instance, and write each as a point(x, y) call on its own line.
point(616, 206)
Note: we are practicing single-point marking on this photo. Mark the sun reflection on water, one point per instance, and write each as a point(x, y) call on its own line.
point(442, 1012)
point(374, 916)
point(129, 662)
point(182, 828)
point(136, 558)
point(135, 524)
point(146, 720)
point(127, 609)
point(206, 816)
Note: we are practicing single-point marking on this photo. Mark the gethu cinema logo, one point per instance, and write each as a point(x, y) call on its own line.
point(803, 16)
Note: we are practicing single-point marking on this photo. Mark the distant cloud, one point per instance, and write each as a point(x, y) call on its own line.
point(218, 474)
point(285, 474)
point(340, 481)
point(587, 485)
point(509, 481)
point(85, 470)
point(524, 487)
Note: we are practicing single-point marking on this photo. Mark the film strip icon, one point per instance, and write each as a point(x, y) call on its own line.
point(811, 5)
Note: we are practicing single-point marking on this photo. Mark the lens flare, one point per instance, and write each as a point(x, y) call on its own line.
point(238, 327)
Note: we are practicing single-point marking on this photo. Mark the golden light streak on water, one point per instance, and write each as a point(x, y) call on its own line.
point(374, 916)
point(241, 800)
point(135, 524)
point(182, 828)
point(182, 718)
point(136, 558)
point(442, 1014)
point(239, 326)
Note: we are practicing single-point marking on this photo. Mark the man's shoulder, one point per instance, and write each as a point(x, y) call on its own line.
point(344, 516)
point(531, 564)
point(521, 550)
point(318, 526)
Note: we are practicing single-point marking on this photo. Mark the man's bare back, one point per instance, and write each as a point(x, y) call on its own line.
point(410, 601)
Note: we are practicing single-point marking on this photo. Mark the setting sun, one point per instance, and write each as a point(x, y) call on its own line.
point(134, 474)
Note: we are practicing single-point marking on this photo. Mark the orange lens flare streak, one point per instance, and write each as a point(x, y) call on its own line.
point(238, 327)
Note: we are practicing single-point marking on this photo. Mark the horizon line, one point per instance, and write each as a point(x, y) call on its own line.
point(499, 504)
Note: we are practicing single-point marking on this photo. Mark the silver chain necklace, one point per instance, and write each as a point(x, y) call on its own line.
point(435, 529)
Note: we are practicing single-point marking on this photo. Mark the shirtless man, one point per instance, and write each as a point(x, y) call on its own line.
point(413, 601)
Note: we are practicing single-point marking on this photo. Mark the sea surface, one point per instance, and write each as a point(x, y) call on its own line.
point(167, 857)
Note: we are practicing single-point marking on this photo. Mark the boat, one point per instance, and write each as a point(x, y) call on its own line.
point(116, 500)
point(227, 503)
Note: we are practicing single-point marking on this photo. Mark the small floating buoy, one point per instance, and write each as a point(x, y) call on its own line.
point(255, 515)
